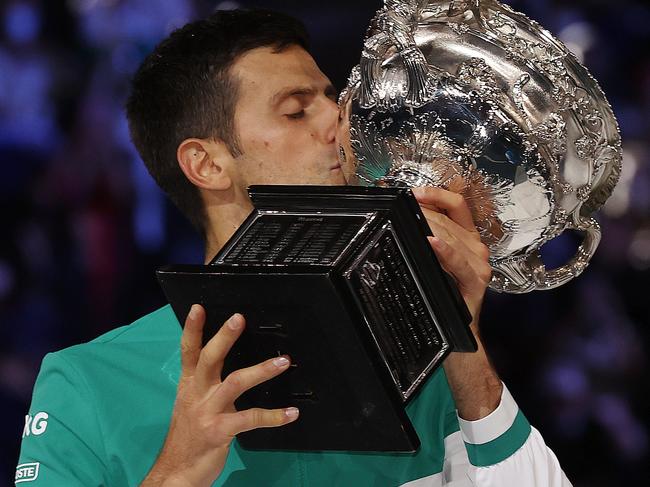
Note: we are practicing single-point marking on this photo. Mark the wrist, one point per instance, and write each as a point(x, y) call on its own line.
point(475, 385)
point(480, 403)
point(175, 470)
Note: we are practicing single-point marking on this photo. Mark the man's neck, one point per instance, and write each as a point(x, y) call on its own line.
point(224, 218)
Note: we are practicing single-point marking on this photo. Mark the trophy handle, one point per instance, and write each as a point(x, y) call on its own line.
point(394, 71)
point(529, 272)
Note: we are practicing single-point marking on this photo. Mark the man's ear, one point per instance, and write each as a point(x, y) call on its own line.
point(204, 162)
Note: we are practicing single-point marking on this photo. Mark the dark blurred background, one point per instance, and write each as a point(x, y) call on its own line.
point(84, 227)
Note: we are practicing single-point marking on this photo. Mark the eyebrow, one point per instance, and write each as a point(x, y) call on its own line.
point(282, 95)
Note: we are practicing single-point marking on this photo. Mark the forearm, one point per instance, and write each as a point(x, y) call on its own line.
point(474, 383)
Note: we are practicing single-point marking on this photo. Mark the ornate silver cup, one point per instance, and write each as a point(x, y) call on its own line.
point(476, 98)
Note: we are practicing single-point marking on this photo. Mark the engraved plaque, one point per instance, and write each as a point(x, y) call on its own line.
point(293, 238)
point(397, 313)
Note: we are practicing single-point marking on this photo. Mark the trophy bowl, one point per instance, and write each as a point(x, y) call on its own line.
point(476, 98)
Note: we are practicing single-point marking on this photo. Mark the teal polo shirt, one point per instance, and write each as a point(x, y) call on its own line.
point(100, 413)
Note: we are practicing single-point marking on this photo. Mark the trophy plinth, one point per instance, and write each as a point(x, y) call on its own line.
point(343, 280)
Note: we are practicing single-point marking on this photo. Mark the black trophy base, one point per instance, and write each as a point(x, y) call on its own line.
point(333, 380)
point(344, 281)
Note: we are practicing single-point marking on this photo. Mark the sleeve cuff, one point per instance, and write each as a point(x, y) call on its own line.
point(501, 433)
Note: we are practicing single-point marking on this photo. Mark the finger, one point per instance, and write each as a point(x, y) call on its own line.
point(477, 260)
point(471, 274)
point(449, 230)
point(432, 208)
point(210, 364)
point(242, 380)
point(436, 223)
point(452, 203)
point(192, 339)
point(254, 418)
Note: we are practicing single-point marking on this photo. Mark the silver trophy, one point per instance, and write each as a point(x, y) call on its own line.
point(474, 97)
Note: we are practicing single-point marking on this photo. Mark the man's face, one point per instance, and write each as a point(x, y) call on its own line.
point(285, 118)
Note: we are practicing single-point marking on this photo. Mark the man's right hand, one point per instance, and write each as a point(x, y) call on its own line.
point(205, 421)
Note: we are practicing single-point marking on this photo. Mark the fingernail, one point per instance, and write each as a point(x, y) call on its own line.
point(281, 361)
point(194, 311)
point(234, 322)
point(292, 413)
point(438, 242)
point(417, 191)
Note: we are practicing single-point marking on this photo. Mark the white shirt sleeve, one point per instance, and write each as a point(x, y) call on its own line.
point(500, 450)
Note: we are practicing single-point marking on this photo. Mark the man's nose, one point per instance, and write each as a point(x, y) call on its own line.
point(329, 120)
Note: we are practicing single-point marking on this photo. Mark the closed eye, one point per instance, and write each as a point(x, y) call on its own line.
point(297, 115)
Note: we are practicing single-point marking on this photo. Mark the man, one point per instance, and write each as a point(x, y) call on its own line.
point(222, 104)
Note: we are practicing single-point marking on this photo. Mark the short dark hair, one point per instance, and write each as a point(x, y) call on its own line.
point(184, 89)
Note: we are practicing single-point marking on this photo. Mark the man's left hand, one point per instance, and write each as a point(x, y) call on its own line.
point(474, 383)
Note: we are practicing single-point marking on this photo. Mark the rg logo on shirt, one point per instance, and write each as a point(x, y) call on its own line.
point(35, 425)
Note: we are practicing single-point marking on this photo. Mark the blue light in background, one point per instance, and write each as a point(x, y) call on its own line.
point(22, 23)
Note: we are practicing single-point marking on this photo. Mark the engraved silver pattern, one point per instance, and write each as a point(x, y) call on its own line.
point(474, 97)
